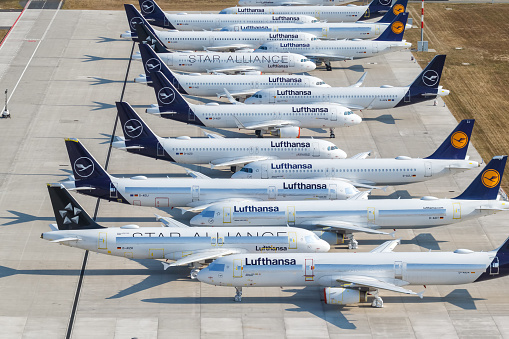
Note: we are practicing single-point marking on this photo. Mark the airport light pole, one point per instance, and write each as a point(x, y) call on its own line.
point(422, 46)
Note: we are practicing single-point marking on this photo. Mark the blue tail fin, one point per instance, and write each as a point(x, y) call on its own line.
point(134, 18)
point(139, 138)
point(89, 173)
point(486, 185)
point(152, 63)
point(456, 144)
point(154, 14)
point(68, 213)
point(376, 7)
point(425, 86)
point(396, 30)
point(172, 104)
point(399, 7)
point(146, 36)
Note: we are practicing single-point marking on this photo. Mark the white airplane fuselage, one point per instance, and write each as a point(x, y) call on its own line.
point(398, 171)
point(209, 22)
point(348, 13)
point(323, 269)
point(372, 213)
point(336, 49)
point(208, 62)
point(223, 40)
point(289, 2)
point(134, 242)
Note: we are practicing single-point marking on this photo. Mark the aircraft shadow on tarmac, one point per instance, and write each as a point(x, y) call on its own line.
point(387, 119)
point(89, 58)
point(103, 39)
point(400, 194)
point(424, 240)
point(103, 105)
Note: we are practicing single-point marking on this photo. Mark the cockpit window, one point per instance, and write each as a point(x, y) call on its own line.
point(207, 214)
point(319, 83)
point(332, 148)
point(348, 112)
point(312, 238)
point(247, 170)
point(216, 267)
point(263, 48)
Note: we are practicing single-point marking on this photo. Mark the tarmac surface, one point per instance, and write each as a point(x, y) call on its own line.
point(64, 71)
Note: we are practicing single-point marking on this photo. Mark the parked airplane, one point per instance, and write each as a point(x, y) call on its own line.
point(197, 22)
point(425, 87)
point(391, 40)
point(218, 41)
point(349, 13)
point(330, 30)
point(289, 2)
point(215, 150)
point(90, 178)
point(239, 86)
point(450, 158)
point(174, 241)
point(284, 121)
point(345, 217)
point(348, 278)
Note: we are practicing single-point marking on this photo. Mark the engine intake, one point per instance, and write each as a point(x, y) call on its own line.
point(287, 132)
point(343, 296)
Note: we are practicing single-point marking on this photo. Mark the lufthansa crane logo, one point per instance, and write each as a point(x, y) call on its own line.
point(397, 27)
point(147, 7)
point(430, 78)
point(166, 95)
point(384, 2)
point(490, 178)
point(133, 128)
point(459, 139)
point(397, 9)
point(134, 22)
point(152, 65)
point(83, 167)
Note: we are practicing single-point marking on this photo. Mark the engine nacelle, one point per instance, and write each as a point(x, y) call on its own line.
point(287, 132)
point(343, 296)
point(251, 73)
point(332, 238)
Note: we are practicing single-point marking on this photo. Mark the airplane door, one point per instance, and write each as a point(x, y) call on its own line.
point(237, 268)
point(156, 253)
point(227, 215)
point(166, 23)
point(195, 193)
point(326, 97)
point(495, 267)
point(377, 29)
point(317, 15)
point(291, 215)
point(371, 215)
point(102, 243)
point(333, 114)
point(324, 32)
point(407, 96)
point(272, 192)
point(251, 150)
point(160, 150)
point(292, 61)
point(113, 190)
point(316, 150)
point(265, 172)
point(191, 116)
point(292, 240)
point(367, 14)
point(333, 191)
point(398, 270)
point(428, 171)
point(309, 274)
point(257, 149)
point(236, 28)
point(272, 96)
point(374, 47)
point(162, 202)
point(211, 40)
point(456, 210)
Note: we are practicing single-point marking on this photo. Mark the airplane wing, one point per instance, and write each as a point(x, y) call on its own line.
point(374, 283)
point(81, 188)
point(267, 124)
point(233, 70)
point(360, 196)
point(360, 81)
point(347, 226)
point(212, 135)
point(230, 48)
point(199, 206)
point(197, 175)
point(362, 155)
point(238, 94)
point(203, 255)
point(387, 246)
point(237, 161)
point(326, 57)
point(170, 222)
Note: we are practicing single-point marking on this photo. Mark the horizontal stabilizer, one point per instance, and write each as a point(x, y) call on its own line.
point(196, 175)
point(238, 161)
point(387, 246)
point(204, 255)
point(348, 227)
point(170, 222)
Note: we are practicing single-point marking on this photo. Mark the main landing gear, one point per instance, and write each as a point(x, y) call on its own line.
point(195, 270)
point(377, 302)
point(258, 133)
point(328, 66)
point(332, 135)
point(238, 294)
point(352, 243)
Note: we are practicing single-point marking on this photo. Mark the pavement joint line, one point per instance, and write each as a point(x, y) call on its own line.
point(15, 22)
point(35, 51)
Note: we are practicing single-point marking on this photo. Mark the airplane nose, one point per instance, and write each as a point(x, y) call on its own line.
point(324, 246)
point(341, 154)
point(202, 275)
point(311, 65)
point(197, 220)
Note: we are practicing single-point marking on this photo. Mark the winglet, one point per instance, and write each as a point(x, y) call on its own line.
point(231, 99)
point(360, 81)
point(421, 293)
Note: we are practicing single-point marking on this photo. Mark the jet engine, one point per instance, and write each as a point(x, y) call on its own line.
point(287, 132)
point(333, 238)
point(343, 296)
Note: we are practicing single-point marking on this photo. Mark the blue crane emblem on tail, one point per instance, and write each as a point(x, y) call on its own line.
point(83, 167)
point(134, 22)
point(430, 78)
point(166, 95)
point(384, 2)
point(152, 65)
point(147, 7)
point(133, 128)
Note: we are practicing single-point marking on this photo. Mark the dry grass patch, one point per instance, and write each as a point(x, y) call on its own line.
point(10, 4)
point(3, 32)
point(166, 5)
point(479, 89)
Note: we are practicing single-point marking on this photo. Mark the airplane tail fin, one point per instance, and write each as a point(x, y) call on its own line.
point(455, 146)
point(398, 7)
point(148, 36)
point(68, 213)
point(375, 7)
point(396, 30)
point(487, 184)
point(153, 63)
point(135, 19)
point(154, 14)
point(139, 138)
